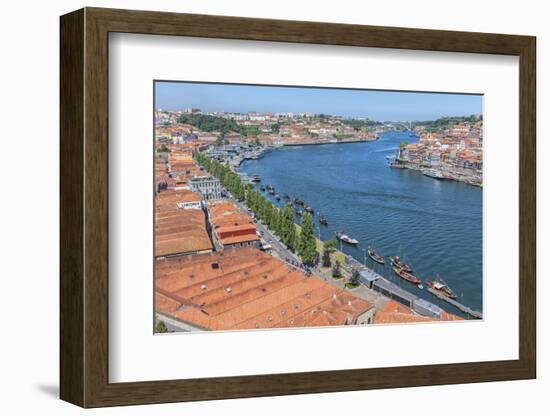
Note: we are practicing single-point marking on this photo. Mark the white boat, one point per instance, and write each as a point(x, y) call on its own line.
point(433, 173)
point(346, 238)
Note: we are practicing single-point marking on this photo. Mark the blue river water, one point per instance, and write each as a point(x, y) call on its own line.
point(434, 225)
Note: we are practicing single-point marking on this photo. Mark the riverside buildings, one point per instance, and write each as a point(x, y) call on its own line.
point(266, 128)
point(455, 152)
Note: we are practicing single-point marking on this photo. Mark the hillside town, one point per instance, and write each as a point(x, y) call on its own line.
point(452, 149)
point(267, 129)
point(226, 258)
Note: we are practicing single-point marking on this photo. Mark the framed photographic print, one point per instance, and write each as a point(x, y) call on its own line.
point(261, 207)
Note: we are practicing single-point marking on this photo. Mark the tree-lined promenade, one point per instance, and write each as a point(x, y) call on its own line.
point(280, 221)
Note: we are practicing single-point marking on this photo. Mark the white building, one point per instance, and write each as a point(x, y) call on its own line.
point(208, 186)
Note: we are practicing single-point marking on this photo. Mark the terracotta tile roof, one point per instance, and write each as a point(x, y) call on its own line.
point(172, 197)
point(393, 306)
point(236, 227)
point(246, 288)
point(240, 238)
point(165, 303)
point(182, 245)
point(446, 316)
point(179, 231)
point(339, 309)
point(395, 313)
point(230, 224)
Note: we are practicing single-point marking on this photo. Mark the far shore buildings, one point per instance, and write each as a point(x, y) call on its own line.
point(459, 146)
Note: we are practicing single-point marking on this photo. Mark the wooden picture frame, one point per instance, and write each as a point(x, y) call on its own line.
point(84, 207)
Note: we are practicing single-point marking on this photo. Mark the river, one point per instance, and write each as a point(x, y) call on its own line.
point(434, 225)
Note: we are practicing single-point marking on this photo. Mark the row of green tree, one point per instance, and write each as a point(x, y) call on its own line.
point(222, 125)
point(446, 122)
point(329, 246)
point(208, 123)
point(359, 124)
point(279, 220)
point(227, 177)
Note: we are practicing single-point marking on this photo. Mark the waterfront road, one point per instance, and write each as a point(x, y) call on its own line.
point(375, 298)
point(267, 237)
point(283, 253)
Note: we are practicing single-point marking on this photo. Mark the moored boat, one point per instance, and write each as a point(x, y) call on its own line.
point(396, 262)
point(375, 256)
point(298, 201)
point(262, 188)
point(309, 209)
point(286, 195)
point(256, 178)
point(299, 212)
point(346, 238)
point(433, 173)
point(323, 220)
point(438, 286)
point(277, 197)
point(406, 276)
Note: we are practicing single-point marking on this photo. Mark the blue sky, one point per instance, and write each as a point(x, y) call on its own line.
point(376, 105)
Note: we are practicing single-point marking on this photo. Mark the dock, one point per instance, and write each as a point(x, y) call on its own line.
point(458, 305)
point(373, 280)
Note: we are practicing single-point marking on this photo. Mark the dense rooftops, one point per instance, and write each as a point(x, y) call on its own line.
point(180, 224)
point(231, 226)
point(393, 312)
point(246, 289)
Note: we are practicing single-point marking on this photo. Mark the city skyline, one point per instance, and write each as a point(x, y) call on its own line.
point(374, 104)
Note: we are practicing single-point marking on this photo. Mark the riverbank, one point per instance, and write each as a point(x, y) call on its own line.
point(331, 141)
point(237, 160)
point(442, 172)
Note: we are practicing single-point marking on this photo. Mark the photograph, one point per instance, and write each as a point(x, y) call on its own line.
point(298, 207)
